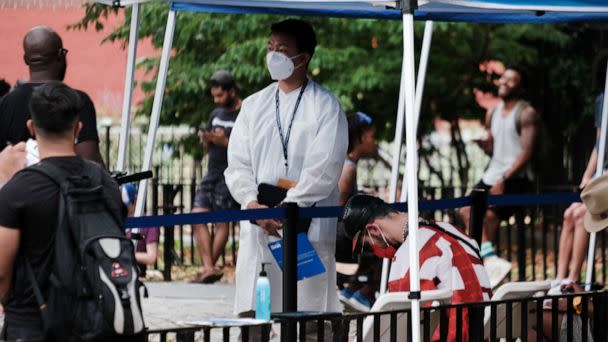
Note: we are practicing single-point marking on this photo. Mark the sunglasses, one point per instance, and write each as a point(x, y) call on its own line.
point(62, 52)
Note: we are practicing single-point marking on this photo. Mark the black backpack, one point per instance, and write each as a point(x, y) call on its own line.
point(93, 288)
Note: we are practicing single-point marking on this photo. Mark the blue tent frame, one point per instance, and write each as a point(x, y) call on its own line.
point(584, 11)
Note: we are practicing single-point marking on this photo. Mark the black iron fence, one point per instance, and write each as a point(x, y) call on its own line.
point(530, 238)
point(568, 317)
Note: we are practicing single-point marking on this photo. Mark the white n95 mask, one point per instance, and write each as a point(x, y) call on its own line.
point(279, 65)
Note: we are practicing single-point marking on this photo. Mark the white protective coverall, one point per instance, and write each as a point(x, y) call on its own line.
point(316, 152)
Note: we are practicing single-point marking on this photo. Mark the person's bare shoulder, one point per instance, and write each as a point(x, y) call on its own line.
point(529, 116)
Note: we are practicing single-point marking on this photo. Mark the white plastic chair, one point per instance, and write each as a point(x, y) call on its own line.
point(400, 301)
point(524, 289)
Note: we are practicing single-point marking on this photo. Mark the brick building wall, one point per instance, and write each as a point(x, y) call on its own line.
point(98, 69)
point(29, 4)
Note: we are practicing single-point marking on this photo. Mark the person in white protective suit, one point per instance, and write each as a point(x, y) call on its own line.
point(292, 130)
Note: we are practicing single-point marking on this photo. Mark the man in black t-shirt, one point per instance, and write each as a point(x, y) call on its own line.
point(46, 58)
point(212, 193)
point(5, 87)
point(29, 209)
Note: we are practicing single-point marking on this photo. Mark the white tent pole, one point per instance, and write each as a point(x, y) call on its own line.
point(424, 58)
point(599, 170)
point(395, 162)
point(410, 168)
point(398, 141)
point(156, 107)
point(128, 91)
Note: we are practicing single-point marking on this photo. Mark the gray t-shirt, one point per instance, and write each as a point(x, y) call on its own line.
point(219, 118)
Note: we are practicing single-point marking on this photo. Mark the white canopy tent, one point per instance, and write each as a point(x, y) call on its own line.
point(505, 11)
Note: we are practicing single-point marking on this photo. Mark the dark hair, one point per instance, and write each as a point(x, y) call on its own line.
point(5, 87)
point(54, 107)
point(358, 123)
point(360, 210)
point(301, 31)
point(223, 79)
point(524, 75)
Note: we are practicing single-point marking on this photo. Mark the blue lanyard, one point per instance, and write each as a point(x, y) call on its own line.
point(285, 138)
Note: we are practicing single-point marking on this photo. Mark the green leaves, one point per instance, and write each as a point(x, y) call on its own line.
point(358, 60)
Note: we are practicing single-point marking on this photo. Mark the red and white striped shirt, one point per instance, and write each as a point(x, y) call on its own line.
point(445, 262)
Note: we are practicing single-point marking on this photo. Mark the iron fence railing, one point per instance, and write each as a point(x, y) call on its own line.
point(530, 238)
point(568, 317)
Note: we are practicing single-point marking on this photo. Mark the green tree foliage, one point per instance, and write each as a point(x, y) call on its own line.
point(360, 62)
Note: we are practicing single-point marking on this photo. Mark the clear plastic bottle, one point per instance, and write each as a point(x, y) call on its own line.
point(262, 296)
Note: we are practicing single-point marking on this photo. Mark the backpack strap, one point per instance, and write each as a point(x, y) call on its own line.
point(94, 171)
point(38, 295)
point(53, 172)
point(59, 176)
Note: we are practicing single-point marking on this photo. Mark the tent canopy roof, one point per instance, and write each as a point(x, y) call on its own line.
point(480, 11)
point(121, 2)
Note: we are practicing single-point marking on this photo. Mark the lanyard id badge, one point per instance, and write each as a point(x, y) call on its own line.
point(285, 137)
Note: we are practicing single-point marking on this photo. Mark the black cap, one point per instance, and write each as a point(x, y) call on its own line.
point(361, 210)
point(224, 79)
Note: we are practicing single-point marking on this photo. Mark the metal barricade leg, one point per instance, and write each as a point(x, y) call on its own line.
point(521, 244)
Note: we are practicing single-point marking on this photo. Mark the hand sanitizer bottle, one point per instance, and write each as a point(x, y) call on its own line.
point(262, 296)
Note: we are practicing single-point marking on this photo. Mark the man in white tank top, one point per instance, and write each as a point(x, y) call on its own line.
point(512, 128)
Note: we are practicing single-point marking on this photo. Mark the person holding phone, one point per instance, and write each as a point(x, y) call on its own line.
point(212, 193)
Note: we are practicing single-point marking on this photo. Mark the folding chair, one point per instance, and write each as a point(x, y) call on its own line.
point(400, 301)
point(514, 290)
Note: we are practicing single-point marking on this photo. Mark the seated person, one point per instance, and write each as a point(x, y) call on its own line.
point(562, 319)
point(147, 247)
point(574, 239)
point(448, 257)
point(595, 201)
point(361, 294)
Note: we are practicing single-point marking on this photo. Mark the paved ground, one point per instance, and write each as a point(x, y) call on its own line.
point(170, 303)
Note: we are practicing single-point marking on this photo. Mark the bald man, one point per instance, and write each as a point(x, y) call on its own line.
point(45, 56)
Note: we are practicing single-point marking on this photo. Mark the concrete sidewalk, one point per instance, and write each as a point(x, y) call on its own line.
point(172, 302)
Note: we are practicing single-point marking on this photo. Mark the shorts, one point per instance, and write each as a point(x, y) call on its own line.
point(213, 194)
point(512, 186)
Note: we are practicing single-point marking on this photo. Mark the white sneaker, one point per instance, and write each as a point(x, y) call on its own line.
point(556, 286)
point(497, 269)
